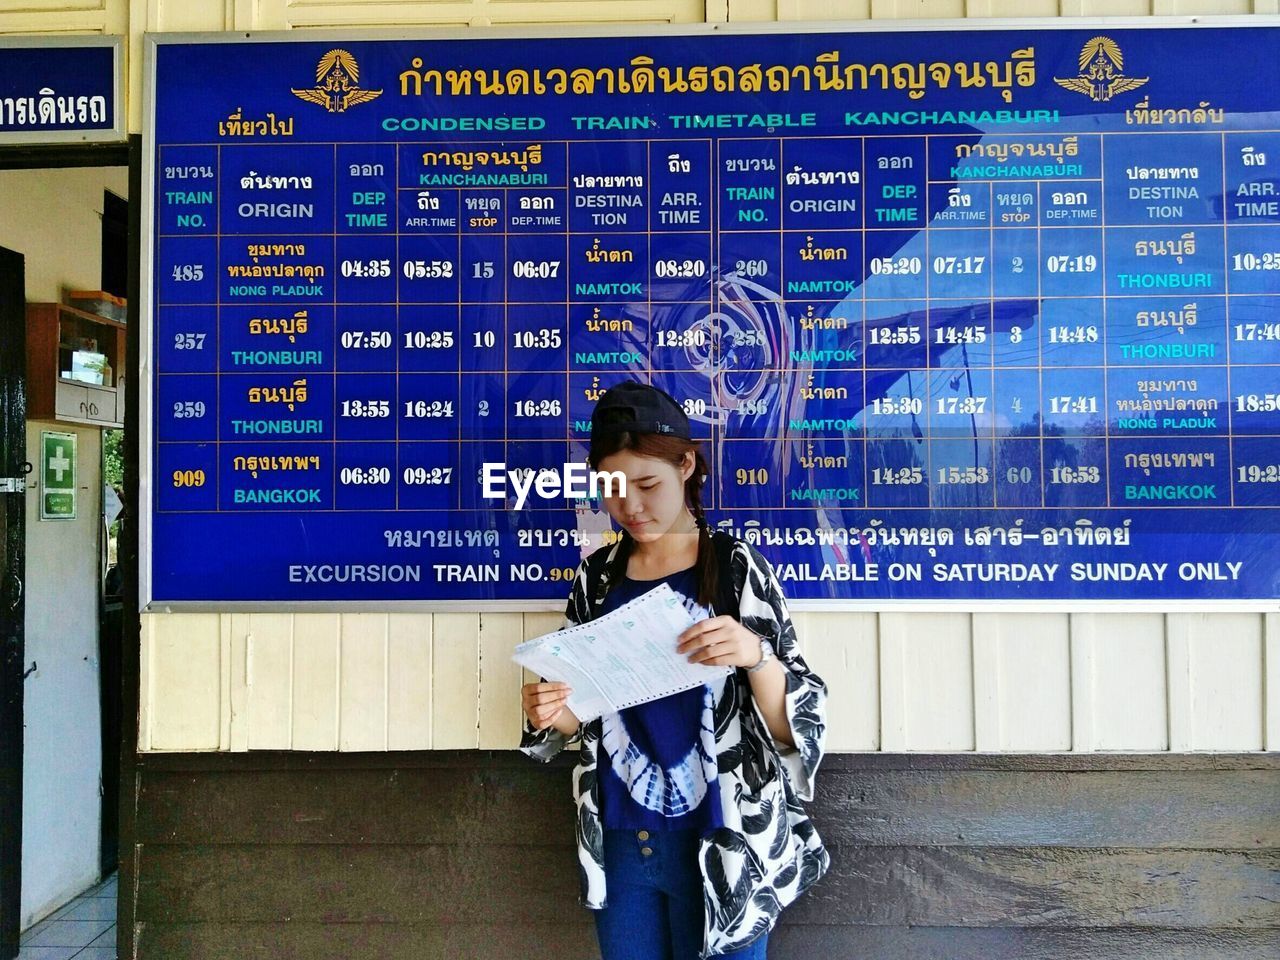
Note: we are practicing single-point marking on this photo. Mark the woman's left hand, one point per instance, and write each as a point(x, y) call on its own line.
point(720, 641)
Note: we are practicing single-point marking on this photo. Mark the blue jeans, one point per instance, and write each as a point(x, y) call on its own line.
point(654, 891)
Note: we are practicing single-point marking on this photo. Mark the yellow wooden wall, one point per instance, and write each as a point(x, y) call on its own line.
point(992, 682)
point(989, 682)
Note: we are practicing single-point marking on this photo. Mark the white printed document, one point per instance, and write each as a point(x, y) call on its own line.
point(626, 657)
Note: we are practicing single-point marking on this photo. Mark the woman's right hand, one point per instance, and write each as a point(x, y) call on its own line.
point(544, 705)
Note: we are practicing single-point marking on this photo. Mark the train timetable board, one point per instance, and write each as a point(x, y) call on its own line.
point(963, 315)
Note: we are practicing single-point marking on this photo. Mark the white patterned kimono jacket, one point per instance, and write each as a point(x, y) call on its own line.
point(768, 852)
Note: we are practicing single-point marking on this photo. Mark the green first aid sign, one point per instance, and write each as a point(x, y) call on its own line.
point(57, 476)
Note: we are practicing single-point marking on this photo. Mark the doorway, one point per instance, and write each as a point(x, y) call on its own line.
point(63, 733)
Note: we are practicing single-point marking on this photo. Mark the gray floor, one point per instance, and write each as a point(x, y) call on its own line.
point(85, 928)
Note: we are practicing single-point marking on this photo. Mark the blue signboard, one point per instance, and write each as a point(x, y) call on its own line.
point(61, 90)
point(958, 321)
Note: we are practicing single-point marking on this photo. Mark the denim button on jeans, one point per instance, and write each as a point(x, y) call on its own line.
point(654, 892)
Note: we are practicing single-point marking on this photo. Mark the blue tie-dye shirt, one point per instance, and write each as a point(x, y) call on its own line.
point(657, 760)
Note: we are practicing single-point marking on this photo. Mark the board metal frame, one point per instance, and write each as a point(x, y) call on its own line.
point(146, 383)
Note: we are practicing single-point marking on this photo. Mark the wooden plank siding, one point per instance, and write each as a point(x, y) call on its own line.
point(247, 941)
point(943, 856)
point(988, 683)
point(905, 682)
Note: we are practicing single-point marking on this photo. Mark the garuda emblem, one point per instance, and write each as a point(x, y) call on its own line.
point(337, 79)
point(1101, 76)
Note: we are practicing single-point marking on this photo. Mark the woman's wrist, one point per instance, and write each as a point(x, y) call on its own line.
point(766, 654)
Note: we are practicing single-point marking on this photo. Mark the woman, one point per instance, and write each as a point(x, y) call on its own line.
point(690, 832)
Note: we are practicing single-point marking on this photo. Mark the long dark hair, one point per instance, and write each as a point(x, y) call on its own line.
point(672, 450)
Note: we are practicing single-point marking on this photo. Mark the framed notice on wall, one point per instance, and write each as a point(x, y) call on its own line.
point(962, 315)
point(57, 475)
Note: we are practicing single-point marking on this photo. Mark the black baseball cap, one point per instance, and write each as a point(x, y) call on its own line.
point(632, 407)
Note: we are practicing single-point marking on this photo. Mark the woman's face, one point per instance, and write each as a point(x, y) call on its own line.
point(654, 504)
